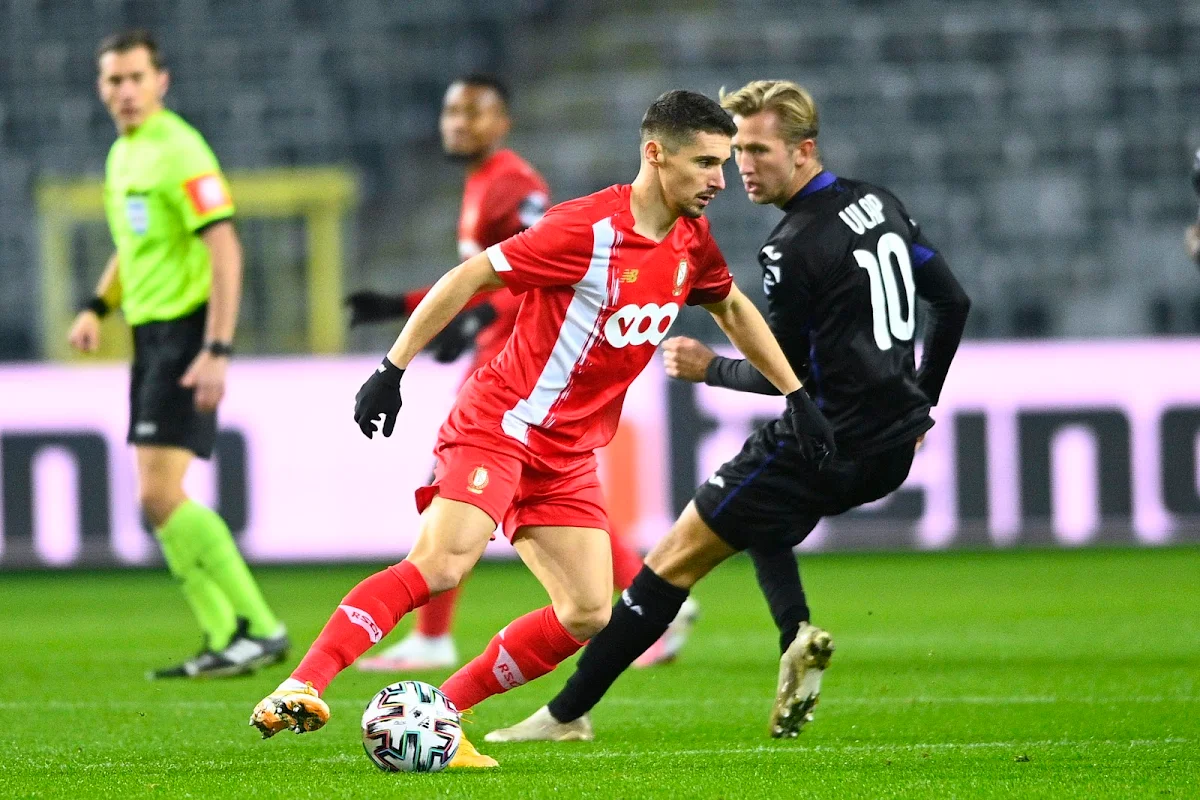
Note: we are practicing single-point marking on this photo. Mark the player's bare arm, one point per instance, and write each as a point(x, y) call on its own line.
point(85, 330)
point(207, 373)
point(226, 252)
point(447, 297)
point(750, 334)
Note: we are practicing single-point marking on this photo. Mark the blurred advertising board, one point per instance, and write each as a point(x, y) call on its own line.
point(1045, 444)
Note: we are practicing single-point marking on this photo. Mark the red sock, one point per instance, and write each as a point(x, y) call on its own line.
point(527, 648)
point(434, 618)
point(625, 560)
point(364, 616)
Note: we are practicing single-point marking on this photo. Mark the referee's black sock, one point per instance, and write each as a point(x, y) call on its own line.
point(779, 578)
point(642, 615)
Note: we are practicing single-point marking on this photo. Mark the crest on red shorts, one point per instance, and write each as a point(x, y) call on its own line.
point(478, 480)
point(680, 277)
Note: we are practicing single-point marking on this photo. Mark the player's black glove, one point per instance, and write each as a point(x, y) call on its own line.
point(813, 431)
point(379, 397)
point(1196, 172)
point(374, 307)
point(460, 334)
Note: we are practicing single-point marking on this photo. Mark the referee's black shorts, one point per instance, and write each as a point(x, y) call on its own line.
point(767, 495)
point(161, 412)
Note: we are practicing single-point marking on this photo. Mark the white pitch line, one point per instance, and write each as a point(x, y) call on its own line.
point(780, 750)
point(887, 748)
point(208, 762)
point(826, 701)
point(1013, 700)
point(884, 700)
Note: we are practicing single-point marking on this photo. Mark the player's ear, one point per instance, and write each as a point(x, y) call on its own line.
point(164, 82)
point(652, 152)
point(805, 150)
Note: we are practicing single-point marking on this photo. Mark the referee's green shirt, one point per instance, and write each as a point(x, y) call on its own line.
point(162, 184)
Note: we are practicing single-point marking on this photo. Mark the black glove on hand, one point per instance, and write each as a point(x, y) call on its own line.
point(374, 307)
point(460, 334)
point(813, 431)
point(1196, 173)
point(379, 396)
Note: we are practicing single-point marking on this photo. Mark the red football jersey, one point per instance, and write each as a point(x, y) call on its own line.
point(598, 300)
point(502, 198)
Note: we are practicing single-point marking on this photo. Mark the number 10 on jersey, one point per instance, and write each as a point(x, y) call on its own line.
point(889, 317)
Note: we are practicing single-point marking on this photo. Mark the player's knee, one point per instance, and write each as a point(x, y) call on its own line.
point(688, 552)
point(158, 503)
point(583, 621)
point(441, 574)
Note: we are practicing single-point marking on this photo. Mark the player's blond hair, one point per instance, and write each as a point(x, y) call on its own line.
point(791, 102)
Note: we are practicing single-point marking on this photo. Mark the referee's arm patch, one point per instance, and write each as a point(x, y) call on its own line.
point(207, 195)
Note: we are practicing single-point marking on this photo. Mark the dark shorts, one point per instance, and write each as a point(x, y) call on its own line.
point(162, 412)
point(767, 495)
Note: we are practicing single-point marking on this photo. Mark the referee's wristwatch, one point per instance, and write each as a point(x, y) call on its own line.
point(219, 349)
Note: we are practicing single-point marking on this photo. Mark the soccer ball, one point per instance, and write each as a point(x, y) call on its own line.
point(411, 727)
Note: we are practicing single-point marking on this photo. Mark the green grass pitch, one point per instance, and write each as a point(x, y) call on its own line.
point(1013, 674)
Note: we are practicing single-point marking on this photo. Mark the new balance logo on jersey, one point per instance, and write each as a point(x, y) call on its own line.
point(640, 324)
point(863, 214)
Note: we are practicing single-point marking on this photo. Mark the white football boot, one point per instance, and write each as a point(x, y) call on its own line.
point(800, 671)
point(414, 653)
point(542, 727)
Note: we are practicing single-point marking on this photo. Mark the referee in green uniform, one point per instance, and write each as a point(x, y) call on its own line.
point(176, 276)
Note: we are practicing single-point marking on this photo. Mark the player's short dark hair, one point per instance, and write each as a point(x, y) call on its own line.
point(124, 41)
point(485, 80)
point(678, 115)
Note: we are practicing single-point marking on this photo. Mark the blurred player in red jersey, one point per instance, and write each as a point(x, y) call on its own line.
point(503, 196)
point(604, 277)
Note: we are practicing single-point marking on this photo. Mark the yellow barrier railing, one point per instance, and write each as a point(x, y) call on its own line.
point(320, 197)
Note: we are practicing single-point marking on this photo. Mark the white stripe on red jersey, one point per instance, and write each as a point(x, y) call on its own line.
point(598, 299)
point(578, 333)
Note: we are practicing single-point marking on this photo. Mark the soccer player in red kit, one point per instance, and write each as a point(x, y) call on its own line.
point(604, 277)
point(503, 196)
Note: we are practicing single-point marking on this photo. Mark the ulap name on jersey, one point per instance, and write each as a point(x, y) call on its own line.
point(1035, 444)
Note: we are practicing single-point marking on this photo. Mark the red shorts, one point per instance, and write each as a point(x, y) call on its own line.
point(515, 487)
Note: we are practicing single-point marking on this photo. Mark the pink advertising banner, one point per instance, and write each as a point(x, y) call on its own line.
point(1064, 444)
